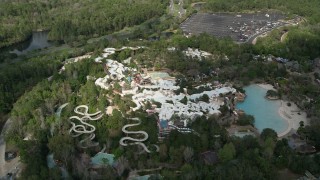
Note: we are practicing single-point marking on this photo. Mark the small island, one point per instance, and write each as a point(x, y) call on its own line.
point(272, 95)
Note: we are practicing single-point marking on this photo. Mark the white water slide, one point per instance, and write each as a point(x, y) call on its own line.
point(84, 127)
point(136, 141)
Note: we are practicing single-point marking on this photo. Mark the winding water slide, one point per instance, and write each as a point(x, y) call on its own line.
point(87, 142)
point(84, 127)
point(57, 117)
point(93, 116)
point(80, 129)
point(59, 110)
point(136, 141)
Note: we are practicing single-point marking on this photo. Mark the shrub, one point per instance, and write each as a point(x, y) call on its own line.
point(204, 98)
point(246, 120)
point(184, 100)
point(272, 93)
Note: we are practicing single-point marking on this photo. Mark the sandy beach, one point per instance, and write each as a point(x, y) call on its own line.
point(267, 86)
point(292, 114)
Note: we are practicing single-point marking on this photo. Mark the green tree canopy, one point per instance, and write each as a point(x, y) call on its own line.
point(267, 132)
point(227, 153)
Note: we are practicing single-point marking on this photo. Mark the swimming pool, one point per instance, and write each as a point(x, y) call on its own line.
point(158, 74)
point(50, 161)
point(264, 111)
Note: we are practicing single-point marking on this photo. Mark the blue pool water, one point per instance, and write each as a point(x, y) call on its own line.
point(98, 159)
point(158, 74)
point(50, 161)
point(264, 111)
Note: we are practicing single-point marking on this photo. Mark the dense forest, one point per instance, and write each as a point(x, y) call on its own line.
point(301, 44)
point(12, 85)
point(16, 79)
point(72, 20)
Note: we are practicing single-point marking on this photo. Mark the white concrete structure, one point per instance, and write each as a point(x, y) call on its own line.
point(192, 108)
point(74, 60)
point(196, 53)
point(77, 59)
point(116, 72)
point(161, 87)
point(109, 51)
point(162, 90)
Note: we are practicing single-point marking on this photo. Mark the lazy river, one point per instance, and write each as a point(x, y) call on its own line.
point(264, 111)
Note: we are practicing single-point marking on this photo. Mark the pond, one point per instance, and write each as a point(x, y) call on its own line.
point(50, 161)
point(39, 40)
point(264, 111)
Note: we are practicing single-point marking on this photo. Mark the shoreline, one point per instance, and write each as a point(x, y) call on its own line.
point(266, 86)
point(284, 115)
point(288, 113)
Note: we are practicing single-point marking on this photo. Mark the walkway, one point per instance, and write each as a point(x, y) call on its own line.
point(6, 167)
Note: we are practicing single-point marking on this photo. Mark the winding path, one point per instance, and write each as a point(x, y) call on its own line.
point(252, 38)
point(136, 141)
point(84, 127)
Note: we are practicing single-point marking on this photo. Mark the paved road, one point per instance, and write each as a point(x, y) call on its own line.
point(2, 156)
point(251, 39)
point(6, 167)
point(3, 148)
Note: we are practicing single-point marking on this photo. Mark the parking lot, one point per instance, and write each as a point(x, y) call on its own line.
point(240, 27)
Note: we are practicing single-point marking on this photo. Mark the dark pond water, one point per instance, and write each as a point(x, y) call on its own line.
point(39, 40)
